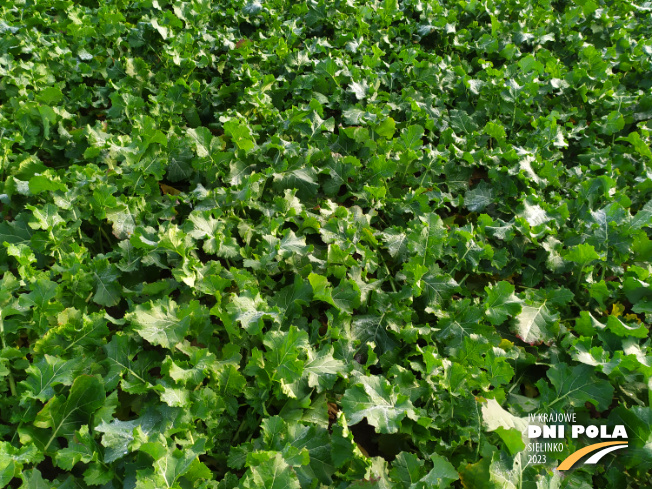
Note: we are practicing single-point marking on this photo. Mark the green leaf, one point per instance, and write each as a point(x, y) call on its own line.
point(635, 140)
point(375, 399)
point(643, 217)
point(32, 479)
point(12, 460)
point(501, 302)
point(46, 217)
point(442, 474)
point(462, 321)
point(250, 310)
point(274, 473)
point(46, 374)
point(120, 352)
point(411, 136)
point(318, 444)
point(359, 89)
point(202, 139)
point(612, 123)
point(427, 241)
point(302, 179)
point(123, 220)
point(321, 288)
point(48, 117)
point(536, 324)
point(396, 242)
point(620, 328)
point(81, 449)
point(63, 417)
point(638, 425)
point(169, 464)
point(496, 131)
point(346, 296)
point(386, 128)
point(107, 288)
point(292, 244)
point(40, 183)
point(160, 322)
point(322, 368)
point(283, 351)
point(582, 254)
point(508, 472)
point(98, 474)
point(407, 469)
point(175, 397)
point(117, 436)
point(240, 134)
point(7, 470)
point(512, 438)
point(179, 160)
point(50, 95)
point(498, 419)
point(575, 386)
point(43, 291)
point(600, 292)
point(437, 290)
point(478, 198)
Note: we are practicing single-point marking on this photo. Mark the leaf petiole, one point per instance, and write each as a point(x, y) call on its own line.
point(391, 279)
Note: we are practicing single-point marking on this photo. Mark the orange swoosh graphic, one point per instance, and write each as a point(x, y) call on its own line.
point(574, 457)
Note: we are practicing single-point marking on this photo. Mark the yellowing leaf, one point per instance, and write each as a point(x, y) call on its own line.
point(633, 317)
point(617, 309)
point(168, 190)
